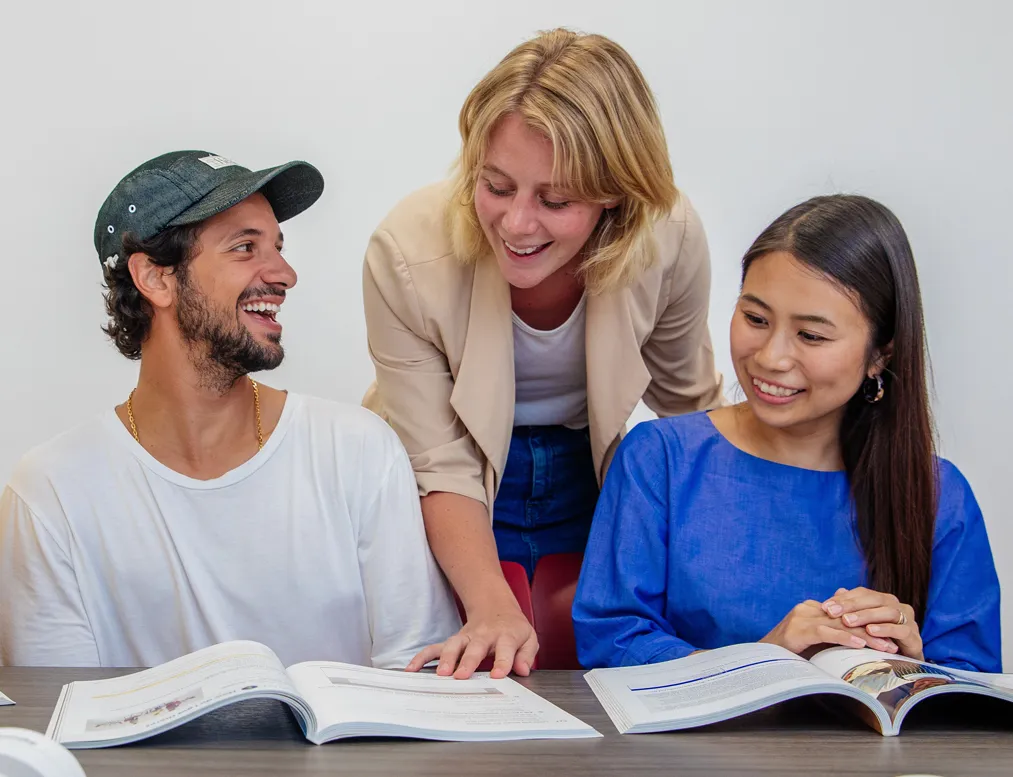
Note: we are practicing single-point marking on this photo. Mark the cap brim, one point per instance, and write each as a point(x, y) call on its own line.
point(290, 188)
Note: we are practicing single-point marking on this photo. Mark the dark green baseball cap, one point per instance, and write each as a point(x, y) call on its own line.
point(184, 187)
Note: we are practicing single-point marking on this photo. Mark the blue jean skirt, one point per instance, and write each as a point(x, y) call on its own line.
point(547, 496)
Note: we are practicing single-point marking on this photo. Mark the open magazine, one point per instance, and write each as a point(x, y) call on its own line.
point(727, 682)
point(25, 753)
point(330, 700)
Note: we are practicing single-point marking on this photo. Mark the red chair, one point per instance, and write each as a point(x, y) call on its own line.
point(517, 578)
point(552, 590)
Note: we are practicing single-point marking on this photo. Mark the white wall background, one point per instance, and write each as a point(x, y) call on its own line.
point(765, 104)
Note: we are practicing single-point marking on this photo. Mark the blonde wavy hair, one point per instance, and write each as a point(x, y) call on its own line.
point(587, 95)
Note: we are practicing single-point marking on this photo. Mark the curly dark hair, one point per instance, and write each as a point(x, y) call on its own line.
point(129, 312)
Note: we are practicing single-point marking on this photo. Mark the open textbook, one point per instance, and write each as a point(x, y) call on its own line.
point(330, 700)
point(25, 753)
point(719, 684)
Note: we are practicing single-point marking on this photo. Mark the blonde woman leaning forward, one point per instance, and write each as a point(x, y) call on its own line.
point(519, 312)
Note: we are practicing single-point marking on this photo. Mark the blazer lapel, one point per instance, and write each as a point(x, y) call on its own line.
point(483, 394)
point(616, 374)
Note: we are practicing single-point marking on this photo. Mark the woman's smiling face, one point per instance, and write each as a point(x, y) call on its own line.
point(800, 343)
point(535, 229)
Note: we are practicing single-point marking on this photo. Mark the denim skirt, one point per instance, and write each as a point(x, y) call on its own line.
point(547, 496)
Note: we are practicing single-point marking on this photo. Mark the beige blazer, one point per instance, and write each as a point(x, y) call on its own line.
point(441, 338)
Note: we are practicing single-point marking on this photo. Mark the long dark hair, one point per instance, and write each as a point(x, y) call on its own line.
point(887, 447)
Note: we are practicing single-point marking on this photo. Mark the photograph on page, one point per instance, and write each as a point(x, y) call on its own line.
point(896, 682)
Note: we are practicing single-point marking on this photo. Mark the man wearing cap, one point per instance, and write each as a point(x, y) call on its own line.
point(207, 507)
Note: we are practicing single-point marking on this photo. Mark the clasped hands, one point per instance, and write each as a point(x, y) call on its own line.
point(855, 618)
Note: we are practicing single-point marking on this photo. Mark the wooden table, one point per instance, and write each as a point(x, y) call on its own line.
point(261, 738)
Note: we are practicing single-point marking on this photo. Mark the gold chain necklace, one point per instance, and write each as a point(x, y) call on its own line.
point(256, 407)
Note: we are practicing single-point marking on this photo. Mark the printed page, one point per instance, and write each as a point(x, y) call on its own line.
point(703, 688)
point(25, 753)
point(1003, 682)
point(120, 709)
point(894, 680)
point(5, 700)
point(360, 701)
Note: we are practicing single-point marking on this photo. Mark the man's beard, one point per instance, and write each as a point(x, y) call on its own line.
point(222, 350)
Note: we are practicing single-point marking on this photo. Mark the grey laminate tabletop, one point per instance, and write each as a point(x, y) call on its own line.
point(947, 736)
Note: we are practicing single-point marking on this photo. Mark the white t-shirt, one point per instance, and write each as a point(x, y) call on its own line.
point(550, 372)
point(315, 547)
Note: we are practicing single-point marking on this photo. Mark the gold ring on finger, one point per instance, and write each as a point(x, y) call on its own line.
point(902, 619)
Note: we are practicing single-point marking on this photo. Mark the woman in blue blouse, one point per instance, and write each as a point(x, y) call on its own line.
point(816, 512)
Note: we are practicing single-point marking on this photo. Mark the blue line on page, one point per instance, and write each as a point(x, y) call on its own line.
point(707, 677)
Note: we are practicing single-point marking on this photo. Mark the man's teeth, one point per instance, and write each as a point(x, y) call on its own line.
point(522, 251)
point(261, 307)
point(774, 391)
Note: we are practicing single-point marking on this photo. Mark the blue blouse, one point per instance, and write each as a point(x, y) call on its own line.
point(696, 544)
